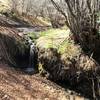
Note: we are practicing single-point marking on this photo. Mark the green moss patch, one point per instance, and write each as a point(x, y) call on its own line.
point(34, 36)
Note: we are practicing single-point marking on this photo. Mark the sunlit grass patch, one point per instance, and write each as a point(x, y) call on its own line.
point(33, 35)
point(53, 38)
point(59, 39)
point(69, 49)
point(55, 32)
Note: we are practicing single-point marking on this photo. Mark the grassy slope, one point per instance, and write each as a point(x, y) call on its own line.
point(59, 39)
point(52, 37)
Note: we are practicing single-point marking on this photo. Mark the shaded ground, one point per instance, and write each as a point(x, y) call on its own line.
point(15, 85)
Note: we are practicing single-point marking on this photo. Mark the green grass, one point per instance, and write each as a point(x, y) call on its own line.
point(64, 46)
point(59, 39)
point(53, 32)
point(53, 38)
point(34, 36)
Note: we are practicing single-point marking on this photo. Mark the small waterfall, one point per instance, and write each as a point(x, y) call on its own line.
point(31, 67)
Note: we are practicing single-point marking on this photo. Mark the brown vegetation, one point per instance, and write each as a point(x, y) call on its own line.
point(72, 66)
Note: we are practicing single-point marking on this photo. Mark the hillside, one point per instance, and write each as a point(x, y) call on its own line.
point(49, 50)
point(14, 83)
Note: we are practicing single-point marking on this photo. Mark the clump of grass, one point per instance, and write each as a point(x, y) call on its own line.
point(59, 39)
point(54, 32)
point(53, 38)
point(34, 36)
point(69, 49)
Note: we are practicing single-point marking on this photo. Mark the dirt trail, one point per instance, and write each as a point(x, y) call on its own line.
point(15, 85)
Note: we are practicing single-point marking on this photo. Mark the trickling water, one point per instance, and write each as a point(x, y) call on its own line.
point(32, 54)
point(31, 67)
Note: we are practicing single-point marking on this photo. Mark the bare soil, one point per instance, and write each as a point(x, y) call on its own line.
point(16, 85)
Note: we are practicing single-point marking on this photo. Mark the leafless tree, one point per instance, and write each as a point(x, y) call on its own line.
point(23, 6)
point(14, 5)
point(81, 17)
point(48, 11)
